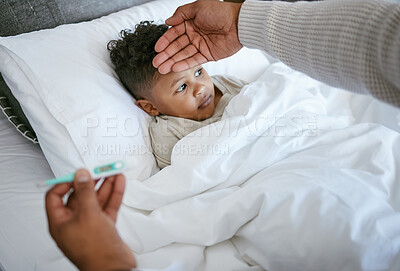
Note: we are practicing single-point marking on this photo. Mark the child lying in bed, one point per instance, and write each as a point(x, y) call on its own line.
point(180, 102)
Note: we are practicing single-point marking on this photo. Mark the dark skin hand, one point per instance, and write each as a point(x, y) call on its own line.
point(202, 31)
point(84, 227)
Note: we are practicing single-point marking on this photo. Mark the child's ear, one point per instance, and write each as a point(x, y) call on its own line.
point(148, 107)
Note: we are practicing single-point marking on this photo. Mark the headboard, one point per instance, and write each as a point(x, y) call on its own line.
point(21, 16)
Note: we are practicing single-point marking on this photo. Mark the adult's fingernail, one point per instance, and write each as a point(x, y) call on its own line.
point(82, 176)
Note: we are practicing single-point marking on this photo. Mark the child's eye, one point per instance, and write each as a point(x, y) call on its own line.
point(181, 88)
point(198, 72)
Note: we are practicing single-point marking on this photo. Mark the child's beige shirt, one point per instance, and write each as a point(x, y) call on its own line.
point(166, 131)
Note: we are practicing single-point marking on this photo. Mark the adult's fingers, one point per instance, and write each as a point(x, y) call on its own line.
point(114, 202)
point(71, 203)
point(182, 13)
point(175, 47)
point(84, 190)
point(186, 53)
point(169, 36)
point(55, 209)
point(103, 194)
point(105, 190)
point(183, 65)
point(177, 21)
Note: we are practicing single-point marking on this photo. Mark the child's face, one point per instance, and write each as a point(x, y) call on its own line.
point(189, 94)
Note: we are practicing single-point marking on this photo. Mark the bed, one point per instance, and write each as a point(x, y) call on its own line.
point(299, 177)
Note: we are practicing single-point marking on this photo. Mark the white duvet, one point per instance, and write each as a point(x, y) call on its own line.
point(296, 176)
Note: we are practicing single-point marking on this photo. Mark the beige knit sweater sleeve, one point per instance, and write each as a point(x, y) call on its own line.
point(351, 44)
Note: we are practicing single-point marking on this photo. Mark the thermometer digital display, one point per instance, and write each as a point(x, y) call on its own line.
point(97, 172)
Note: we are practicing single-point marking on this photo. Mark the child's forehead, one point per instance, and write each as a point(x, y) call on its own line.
point(168, 80)
point(175, 75)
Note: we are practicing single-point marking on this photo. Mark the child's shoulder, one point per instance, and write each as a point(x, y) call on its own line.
point(164, 125)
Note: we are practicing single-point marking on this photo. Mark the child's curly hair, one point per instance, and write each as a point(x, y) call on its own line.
point(133, 54)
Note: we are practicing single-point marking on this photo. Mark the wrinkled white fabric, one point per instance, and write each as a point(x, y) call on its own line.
point(297, 176)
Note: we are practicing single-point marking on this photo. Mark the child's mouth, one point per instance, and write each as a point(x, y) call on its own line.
point(205, 102)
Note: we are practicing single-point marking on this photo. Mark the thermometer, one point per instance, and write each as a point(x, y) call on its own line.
point(97, 172)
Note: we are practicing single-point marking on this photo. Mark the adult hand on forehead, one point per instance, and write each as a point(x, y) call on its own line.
point(201, 31)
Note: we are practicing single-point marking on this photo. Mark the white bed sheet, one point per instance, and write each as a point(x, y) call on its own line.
point(24, 237)
point(154, 219)
point(300, 176)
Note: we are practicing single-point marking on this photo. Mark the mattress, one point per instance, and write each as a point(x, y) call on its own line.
point(23, 229)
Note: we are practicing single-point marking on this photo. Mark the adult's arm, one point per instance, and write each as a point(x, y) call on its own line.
point(351, 44)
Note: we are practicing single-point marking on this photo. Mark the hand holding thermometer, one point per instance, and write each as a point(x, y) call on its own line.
point(97, 172)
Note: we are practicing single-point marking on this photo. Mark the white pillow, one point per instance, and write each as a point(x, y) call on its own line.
point(67, 88)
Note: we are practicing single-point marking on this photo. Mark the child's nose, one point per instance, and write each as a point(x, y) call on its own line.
point(199, 89)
